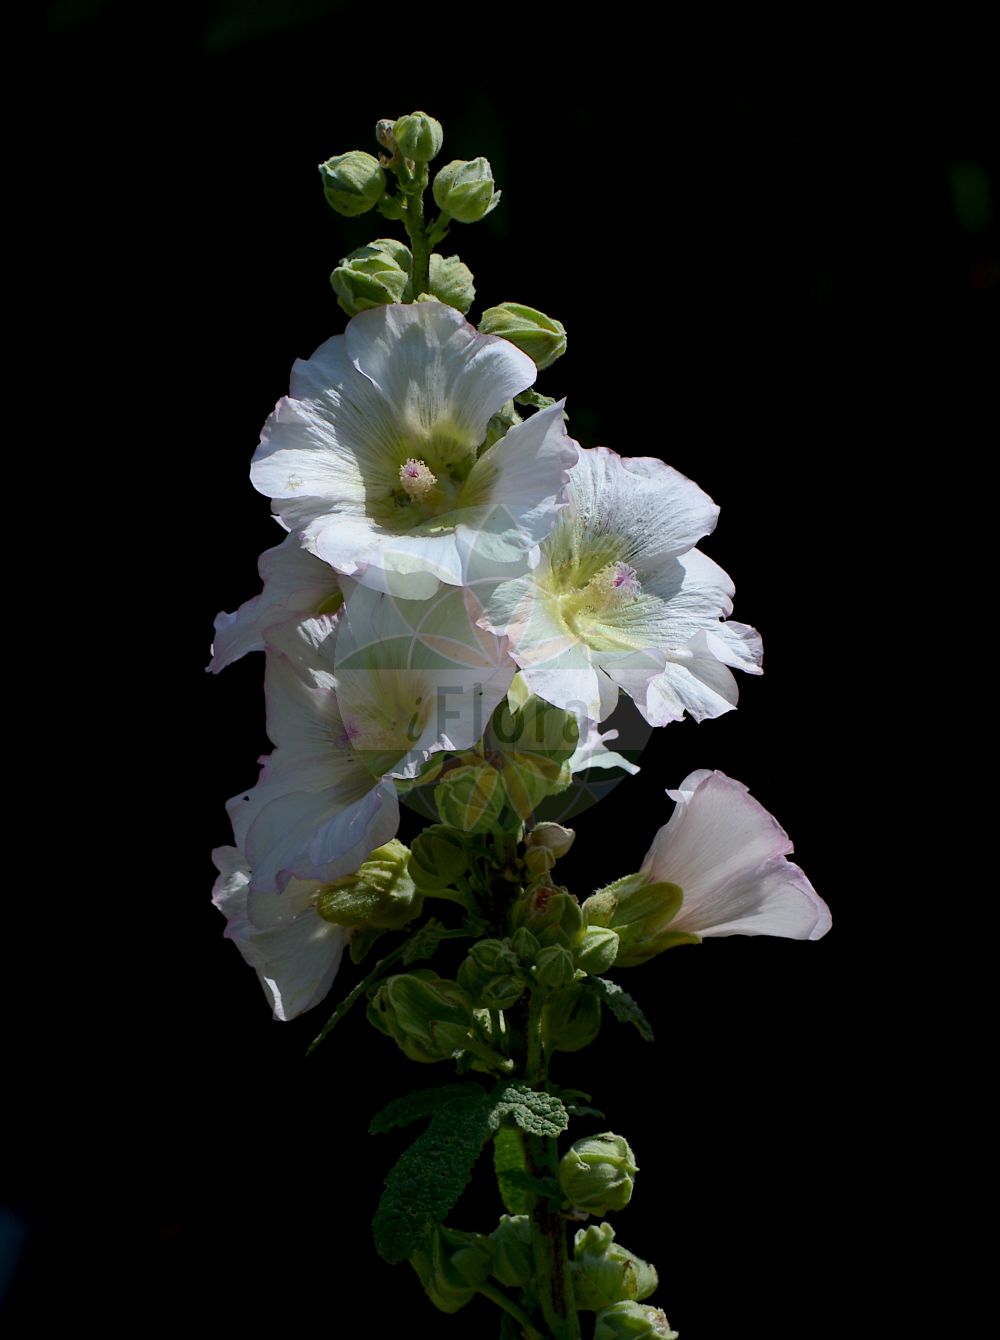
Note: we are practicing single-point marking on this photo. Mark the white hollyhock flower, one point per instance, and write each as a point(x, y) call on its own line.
point(294, 952)
point(728, 856)
point(354, 702)
point(372, 461)
point(622, 599)
point(296, 584)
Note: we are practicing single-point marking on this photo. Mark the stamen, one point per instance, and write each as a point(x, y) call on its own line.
point(615, 585)
point(416, 479)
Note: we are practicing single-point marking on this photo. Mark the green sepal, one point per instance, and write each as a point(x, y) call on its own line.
point(451, 1266)
point(621, 1005)
point(534, 400)
point(571, 1019)
point(439, 855)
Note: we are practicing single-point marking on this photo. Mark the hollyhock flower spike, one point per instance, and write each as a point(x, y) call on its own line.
point(622, 599)
point(372, 458)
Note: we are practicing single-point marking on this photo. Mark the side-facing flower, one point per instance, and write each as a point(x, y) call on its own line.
point(296, 585)
point(718, 867)
point(295, 953)
point(372, 459)
point(622, 599)
point(356, 701)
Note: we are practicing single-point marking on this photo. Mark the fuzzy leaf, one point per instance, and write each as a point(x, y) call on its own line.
point(535, 1111)
point(621, 1005)
point(418, 1104)
point(431, 1175)
point(538, 1186)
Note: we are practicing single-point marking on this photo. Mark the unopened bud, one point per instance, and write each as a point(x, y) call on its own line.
point(452, 1265)
point(427, 1016)
point(596, 949)
point(571, 1019)
point(539, 336)
point(513, 1263)
point(554, 968)
point(604, 1273)
point(438, 856)
point(633, 1321)
point(640, 912)
point(372, 276)
point(465, 190)
point(450, 282)
point(471, 798)
point(353, 182)
point(419, 137)
point(596, 1174)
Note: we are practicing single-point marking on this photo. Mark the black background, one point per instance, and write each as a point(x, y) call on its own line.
point(777, 275)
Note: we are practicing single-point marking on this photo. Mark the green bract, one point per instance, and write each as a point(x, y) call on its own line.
point(513, 1263)
point(451, 282)
point(640, 911)
point(464, 190)
point(380, 893)
point(427, 1016)
point(452, 1266)
point(633, 1321)
point(353, 183)
point(605, 1273)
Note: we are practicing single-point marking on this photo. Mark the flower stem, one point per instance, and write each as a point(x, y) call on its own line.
point(413, 219)
point(548, 1230)
point(520, 1316)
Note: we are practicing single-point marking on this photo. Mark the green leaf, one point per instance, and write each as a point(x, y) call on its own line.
point(537, 1186)
point(508, 1158)
point(419, 1104)
point(431, 1175)
point(534, 400)
point(621, 1005)
point(534, 1110)
point(583, 1110)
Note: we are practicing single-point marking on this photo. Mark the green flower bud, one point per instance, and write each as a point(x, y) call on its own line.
point(539, 336)
point(513, 1263)
point(535, 728)
point(554, 968)
point(571, 1019)
point(471, 798)
point(465, 190)
point(551, 837)
point(418, 136)
point(451, 282)
point(353, 183)
point(426, 1016)
point(524, 945)
point(596, 949)
point(491, 975)
point(626, 1321)
point(551, 914)
point(438, 856)
point(538, 861)
point(596, 1174)
point(605, 1273)
point(641, 913)
point(384, 133)
point(380, 892)
point(452, 1265)
point(372, 276)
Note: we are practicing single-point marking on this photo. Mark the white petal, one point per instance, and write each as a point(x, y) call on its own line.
point(296, 961)
point(435, 370)
point(775, 899)
point(716, 832)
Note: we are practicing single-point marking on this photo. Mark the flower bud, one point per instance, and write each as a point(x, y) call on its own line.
point(596, 1174)
point(452, 1265)
point(633, 1321)
point(538, 861)
point(524, 945)
point(491, 975)
point(419, 137)
point(513, 1263)
point(604, 1273)
point(554, 968)
point(384, 133)
point(539, 336)
point(380, 892)
point(427, 1016)
point(641, 913)
point(450, 282)
point(551, 837)
point(353, 183)
point(465, 190)
point(471, 798)
point(372, 276)
point(438, 857)
point(551, 914)
point(571, 1019)
point(596, 949)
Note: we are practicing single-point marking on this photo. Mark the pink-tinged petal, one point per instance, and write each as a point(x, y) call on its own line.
point(716, 832)
point(727, 854)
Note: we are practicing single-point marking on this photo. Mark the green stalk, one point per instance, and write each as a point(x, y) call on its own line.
point(548, 1231)
point(520, 1316)
point(413, 187)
